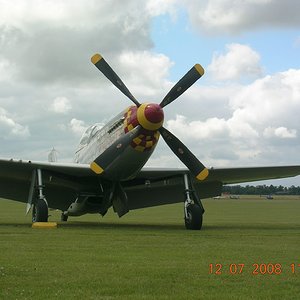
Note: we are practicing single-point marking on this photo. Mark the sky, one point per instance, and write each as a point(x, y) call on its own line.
point(244, 111)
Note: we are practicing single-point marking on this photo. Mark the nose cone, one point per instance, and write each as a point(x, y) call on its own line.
point(154, 113)
point(150, 116)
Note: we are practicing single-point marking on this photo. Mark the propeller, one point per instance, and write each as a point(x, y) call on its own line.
point(103, 161)
point(111, 75)
point(183, 84)
point(184, 154)
point(150, 117)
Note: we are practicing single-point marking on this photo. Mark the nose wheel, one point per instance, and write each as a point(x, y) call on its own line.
point(193, 209)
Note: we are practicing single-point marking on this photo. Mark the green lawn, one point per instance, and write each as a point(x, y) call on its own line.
point(148, 254)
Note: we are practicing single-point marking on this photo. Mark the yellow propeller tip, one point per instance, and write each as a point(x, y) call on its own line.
point(203, 174)
point(199, 69)
point(96, 168)
point(96, 58)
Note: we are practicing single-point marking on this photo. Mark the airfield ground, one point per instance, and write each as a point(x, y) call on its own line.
point(149, 255)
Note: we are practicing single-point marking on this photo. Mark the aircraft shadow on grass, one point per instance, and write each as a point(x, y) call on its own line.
point(169, 227)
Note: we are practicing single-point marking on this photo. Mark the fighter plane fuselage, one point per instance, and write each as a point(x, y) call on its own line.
point(98, 138)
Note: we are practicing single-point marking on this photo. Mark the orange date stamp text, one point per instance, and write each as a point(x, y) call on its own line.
point(253, 269)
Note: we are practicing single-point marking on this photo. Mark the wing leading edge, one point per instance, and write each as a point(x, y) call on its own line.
point(227, 175)
point(13, 168)
point(240, 175)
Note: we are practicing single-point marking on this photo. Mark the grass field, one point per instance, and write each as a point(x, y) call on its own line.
point(149, 255)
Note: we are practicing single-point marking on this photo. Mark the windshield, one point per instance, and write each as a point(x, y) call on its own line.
point(89, 133)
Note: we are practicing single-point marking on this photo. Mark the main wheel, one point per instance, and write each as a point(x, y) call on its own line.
point(193, 220)
point(63, 217)
point(40, 211)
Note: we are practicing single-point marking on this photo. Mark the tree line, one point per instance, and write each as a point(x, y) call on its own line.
point(261, 190)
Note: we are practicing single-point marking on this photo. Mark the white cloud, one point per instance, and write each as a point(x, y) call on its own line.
point(210, 129)
point(239, 129)
point(77, 14)
point(269, 100)
point(227, 16)
point(158, 7)
point(240, 61)
point(61, 105)
point(10, 129)
point(145, 72)
point(280, 132)
point(51, 42)
point(77, 126)
point(7, 70)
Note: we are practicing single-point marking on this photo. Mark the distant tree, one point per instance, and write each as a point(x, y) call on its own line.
point(261, 190)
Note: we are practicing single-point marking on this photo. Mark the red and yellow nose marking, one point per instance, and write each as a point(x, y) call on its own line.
point(150, 116)
point(130, 121)
point(145, 141)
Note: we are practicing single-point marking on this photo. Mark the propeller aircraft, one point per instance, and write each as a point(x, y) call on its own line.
point(108, 168)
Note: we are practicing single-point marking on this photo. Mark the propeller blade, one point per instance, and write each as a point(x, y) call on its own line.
point(105, 68)
point(184, 154)
point(183, 84)
point(102, 162)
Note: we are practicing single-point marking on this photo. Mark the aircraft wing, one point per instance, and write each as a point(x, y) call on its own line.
point(165, 186)
point(151, 187)
point(62, 181)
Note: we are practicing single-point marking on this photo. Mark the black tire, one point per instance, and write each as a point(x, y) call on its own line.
point(40, 211)
point(64, 218)
point(194, 219)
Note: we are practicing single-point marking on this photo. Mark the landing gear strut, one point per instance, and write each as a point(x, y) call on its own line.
point(193, 209)
point(40, 207)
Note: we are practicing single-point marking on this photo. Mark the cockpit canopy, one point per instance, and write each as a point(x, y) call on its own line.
point(89, 133)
